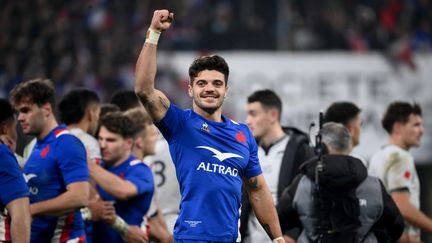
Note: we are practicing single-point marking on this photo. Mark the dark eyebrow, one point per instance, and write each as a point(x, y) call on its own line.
point(24, 109)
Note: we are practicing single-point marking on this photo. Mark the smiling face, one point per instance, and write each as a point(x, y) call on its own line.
point(208, 91)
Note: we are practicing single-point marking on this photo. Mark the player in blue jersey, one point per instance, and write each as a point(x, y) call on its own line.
point(213, 155)
point(125, 181)
point(56, 171)
point(15, 220)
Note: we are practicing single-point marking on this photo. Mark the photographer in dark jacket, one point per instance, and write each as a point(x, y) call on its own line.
point(342, 203)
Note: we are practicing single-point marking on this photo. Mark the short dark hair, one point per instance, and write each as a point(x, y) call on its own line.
point(399, 111)
point(268, 98)
point(213, 62)
point(7, 112)
point(73, 106)
point(36, 91)
point(125, 100)
point(117, 122)
point(107, 108)
point(341, 112)
point(140, 118)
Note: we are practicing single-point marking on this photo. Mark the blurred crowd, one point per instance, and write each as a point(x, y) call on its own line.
point(94, 43)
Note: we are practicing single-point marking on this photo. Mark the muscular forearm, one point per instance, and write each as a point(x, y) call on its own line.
point(146, 69)
point(416, 217)
point(112, 184)
point(20, 220)
point(266, 212)
point(411, 213)
point(75, 197)
point(263, 206)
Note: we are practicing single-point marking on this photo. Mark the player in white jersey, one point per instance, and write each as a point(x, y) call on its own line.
point(79, 110)
point(348, 114)
point(165, 180)
point(281, 151)
point(394, 165)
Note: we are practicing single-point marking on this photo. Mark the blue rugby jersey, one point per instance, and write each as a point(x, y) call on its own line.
point(12, 186)
point(211, 159)
point(56, 161)
point(133, 210)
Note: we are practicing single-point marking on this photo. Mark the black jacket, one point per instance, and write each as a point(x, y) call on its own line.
point(340, 174)
point(296, 152)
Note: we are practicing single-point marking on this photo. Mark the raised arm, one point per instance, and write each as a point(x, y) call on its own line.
point(264, 208)
point(153, 100)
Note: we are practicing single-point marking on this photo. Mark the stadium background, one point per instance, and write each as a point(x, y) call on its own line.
point(312, 53)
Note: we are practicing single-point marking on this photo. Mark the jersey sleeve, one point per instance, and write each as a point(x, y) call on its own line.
point(94, 150)
point(172, 123)
point(72, 159)
point(253, 167)
point(141, 176)
point(12, 184)
point(399, 173)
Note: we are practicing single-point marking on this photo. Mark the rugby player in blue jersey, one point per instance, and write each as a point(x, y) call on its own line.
point(213, 155)
point(56, 171)
point(124, 181)
point(15, 220)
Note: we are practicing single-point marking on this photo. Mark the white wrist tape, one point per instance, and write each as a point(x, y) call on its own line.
point(120, 226)
point(86, 213)
point(279, 239)
point(152, 36)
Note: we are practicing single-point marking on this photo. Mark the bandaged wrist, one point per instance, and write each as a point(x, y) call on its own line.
point(280, 239)
point(120, 226)
point(86, 213)
point(152, 36)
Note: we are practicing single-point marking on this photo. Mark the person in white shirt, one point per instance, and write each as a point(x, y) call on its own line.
point(79, 110)
point(281, 150)
point(394, 165)
point(348, 114)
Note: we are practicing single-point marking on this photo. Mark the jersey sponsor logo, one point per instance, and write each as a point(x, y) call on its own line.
point(240, 137)
point(362, 202)
point(215, 168)
point(219, 155)
point(45, 151)
point(205, 127)
point(29, 177)
point(32, 189)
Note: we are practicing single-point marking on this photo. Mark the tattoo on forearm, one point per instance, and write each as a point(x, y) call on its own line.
point(267, 230)
point(253, 183)
point(164, 102)
point(151, 106)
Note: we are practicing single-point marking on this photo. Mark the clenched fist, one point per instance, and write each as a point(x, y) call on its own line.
point(161, 20)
